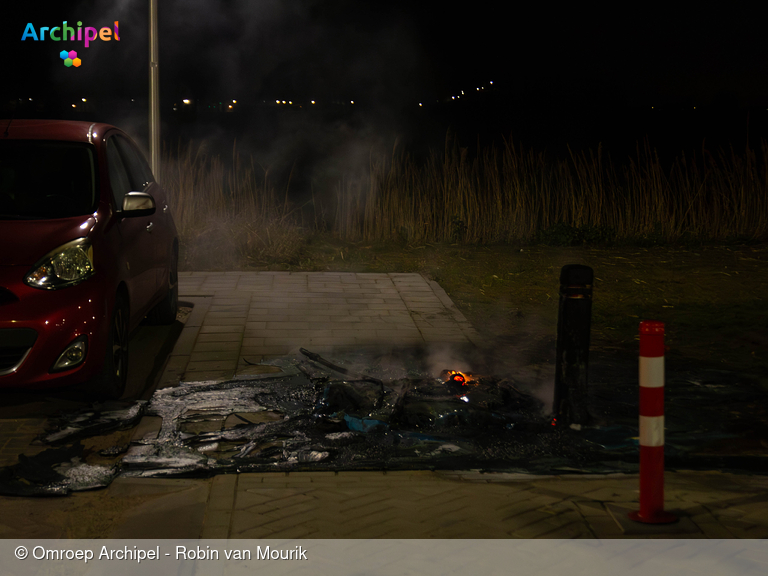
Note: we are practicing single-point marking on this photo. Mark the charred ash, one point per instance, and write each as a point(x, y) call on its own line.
point(318, 415)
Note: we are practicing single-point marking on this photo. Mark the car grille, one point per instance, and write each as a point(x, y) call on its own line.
point(15, 344)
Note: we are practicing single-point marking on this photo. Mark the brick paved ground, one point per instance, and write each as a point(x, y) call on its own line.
point(241, 316)
point(466, 505)
point(248, 315)
point(15, 437)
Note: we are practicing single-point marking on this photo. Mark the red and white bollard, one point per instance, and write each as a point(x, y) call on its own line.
point(652, 426)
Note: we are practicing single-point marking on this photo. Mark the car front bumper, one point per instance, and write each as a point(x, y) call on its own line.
point(37, 326)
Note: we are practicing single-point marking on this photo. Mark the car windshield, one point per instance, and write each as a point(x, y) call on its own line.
point(41, 179)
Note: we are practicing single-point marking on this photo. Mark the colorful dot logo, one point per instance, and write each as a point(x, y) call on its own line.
point(70, 58)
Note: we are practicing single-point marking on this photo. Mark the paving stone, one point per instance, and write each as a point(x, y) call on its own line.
point(591, 509)
point(276, 350)
point(291, 336)
point(223, 490)
point(268, 307)
point(235, 323)
point(287, 326)
point(220, 337)
point(210, 366)
point(187, 338)
point(286, 342)
point(218, 308)
point(221, 346)
point(237, 301)
point(542, 528)
point(714, 529)
point(243, 523)
point(397, 320)
point(326, 290)
point(325, 344)
point(222, 329)
point(215, 355)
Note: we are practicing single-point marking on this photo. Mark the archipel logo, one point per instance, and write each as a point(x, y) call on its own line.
point(70, 58)
point(67, 34)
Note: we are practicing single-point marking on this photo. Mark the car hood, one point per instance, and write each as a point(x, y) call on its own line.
point(24, 242)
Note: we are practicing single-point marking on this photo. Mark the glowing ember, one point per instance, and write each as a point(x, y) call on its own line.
point(463, 378)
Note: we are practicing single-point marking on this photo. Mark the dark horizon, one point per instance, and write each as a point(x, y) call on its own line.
point(573, 77)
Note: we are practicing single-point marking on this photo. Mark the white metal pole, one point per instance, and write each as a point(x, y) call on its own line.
point(154, 91)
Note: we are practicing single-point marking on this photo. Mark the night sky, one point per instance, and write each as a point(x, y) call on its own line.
point(575, 70)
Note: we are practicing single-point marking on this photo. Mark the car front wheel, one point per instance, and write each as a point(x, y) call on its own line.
point(111, 382)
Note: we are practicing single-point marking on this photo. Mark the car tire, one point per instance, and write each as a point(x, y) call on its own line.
point(111, 381)
point(165, 311)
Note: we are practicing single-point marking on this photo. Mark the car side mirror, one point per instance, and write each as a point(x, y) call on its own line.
point(138, 204)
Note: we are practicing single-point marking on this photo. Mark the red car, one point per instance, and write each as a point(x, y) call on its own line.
point(88, 249)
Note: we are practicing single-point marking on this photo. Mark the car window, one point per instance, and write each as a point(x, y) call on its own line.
point(118, 175)
point(41, 179)
point(138, 170)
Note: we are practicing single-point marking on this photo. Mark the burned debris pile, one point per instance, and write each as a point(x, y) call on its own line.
point(312, 414)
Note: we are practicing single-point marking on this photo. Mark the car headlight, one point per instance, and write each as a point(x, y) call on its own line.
point(67, 265)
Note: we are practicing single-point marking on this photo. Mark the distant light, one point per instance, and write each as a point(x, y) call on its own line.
point(131, 99)
point(234, 101)
point(230, 105)
point(283, 101)
point(462, 92)
point(491, 82)
point(185, 101)
point(419, 103)
point(313, 101)
point(277, 101)
point(464, 398)
point(30, 99)
point(453, 97)
point(351, 101)
point(83, 99)
point(289, 102)
point(74, 105)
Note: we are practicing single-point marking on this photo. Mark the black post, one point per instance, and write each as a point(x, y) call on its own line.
point(573, 326)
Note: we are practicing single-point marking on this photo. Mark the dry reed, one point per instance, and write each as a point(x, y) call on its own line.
point(507, 195)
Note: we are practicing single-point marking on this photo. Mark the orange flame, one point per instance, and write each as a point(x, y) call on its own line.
point(463, 378)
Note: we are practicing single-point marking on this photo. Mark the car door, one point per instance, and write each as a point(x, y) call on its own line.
point(142, 180)
point(137, 250)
